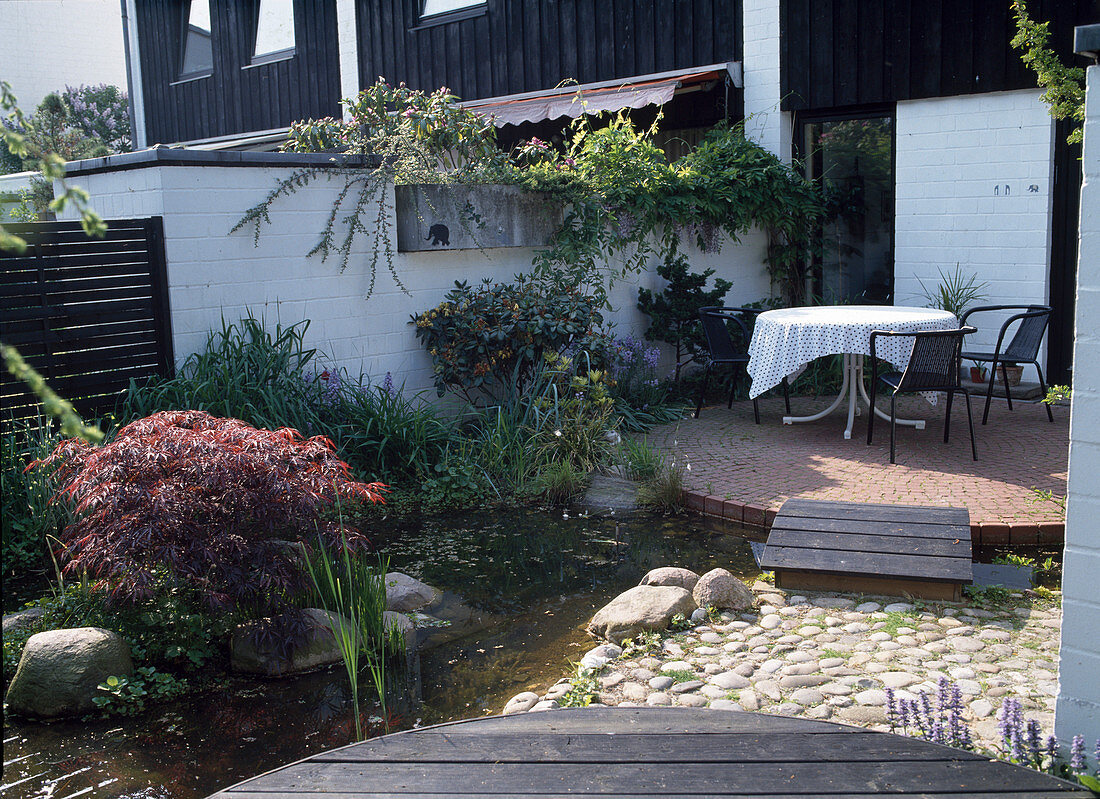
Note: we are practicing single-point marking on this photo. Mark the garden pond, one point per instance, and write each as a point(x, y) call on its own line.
point(518, 587)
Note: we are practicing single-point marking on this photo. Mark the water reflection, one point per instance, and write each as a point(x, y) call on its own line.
point(518, 588)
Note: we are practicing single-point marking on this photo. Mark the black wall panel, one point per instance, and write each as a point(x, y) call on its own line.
point(838, 53)
point(236, 97)
point(527, 45)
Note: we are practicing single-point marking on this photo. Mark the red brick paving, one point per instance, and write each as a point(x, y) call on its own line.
point(737, 464)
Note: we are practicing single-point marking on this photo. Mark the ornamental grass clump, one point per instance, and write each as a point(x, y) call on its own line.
point(207, 504)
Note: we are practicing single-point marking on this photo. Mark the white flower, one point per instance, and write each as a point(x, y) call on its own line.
point(557, 433)
point(688, 467)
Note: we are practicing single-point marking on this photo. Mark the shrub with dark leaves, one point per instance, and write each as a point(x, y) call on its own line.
point(209, 504)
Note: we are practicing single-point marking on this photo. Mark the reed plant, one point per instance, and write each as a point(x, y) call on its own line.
point(352, 589)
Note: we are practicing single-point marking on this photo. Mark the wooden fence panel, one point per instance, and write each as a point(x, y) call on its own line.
point(88, 314)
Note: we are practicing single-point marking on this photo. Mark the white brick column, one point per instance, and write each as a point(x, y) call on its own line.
point(1078, 709)
point(348, 43)
point(764, 122)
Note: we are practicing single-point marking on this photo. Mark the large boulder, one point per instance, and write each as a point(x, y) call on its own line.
point(670, 575)
point(642, 608)
point(60, 669)
point(251, 653)
point(22, 621)
point(405, 593)
point(720, 589)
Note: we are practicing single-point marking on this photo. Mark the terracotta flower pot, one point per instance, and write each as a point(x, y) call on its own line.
point(977, 374)
point(1014, 374)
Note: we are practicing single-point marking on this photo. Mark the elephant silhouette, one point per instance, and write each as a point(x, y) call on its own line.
point(438, 234)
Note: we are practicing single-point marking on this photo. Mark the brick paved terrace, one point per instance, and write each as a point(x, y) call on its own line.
point(744, 472)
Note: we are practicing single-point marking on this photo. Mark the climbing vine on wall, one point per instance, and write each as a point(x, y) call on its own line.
point(626, 202)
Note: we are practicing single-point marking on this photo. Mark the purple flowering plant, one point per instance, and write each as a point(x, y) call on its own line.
point(1022, 740)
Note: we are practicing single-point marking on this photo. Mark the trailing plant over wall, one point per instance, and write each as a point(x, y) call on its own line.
point(400, 136)
point(625, 201)
point(1065, 86)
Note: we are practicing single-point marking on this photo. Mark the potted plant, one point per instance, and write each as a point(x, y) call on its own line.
point(956, 293)
point(977, 373)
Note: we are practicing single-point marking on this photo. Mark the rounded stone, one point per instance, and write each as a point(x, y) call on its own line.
point(691, 700)
point(633, 692)
point(670, 575)
point(749, 700)
point(658, 699)
point(726, 704)
point(873, 697)
point(521, 703)
point(807, 696)
point(730, 681)
point(405, 593)
point(720, 589)
point(661, 683)
point(59, 670)
point(642, 608)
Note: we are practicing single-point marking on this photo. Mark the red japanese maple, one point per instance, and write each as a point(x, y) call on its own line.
point(207, 502)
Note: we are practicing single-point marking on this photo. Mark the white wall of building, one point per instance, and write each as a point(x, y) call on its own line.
point(765, 123)
point(974, 177)
point(46, 45)
point(1078, 708)
point(212, 274)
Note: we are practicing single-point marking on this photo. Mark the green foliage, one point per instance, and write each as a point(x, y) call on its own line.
point(640, 460)
point(26, 513)
point(664, 492)
point(1012, 559)
point(674, 312)
point(1065, 86)
point(456, 482)
point(680, 675)
point(645, 643)
point(680, 622)
point(1056, 394)
point(129, 696)
point(987, 596)
point(574, 415)
point(560, 481)
point(492, 338)
point(19, 140)
point(955, 293)
point(269, 379)
point(583, 688)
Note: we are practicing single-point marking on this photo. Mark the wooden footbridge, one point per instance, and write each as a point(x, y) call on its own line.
point(638, 752)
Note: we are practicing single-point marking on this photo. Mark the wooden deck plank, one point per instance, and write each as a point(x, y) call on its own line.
point(976, 793)
point(907, 529)
point(861, 542)
point(680, 747)
point(884, 513)
point(467, 759)
point(876, 564)
point(647, 779)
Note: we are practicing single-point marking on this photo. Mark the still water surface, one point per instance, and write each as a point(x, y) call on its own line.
point(518, 588)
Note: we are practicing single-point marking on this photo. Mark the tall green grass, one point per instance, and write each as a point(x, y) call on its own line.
point(353, 590)
point(271, 379)
point(26, 513)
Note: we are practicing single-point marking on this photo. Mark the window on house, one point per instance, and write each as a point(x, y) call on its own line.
point(274, 31)
point(853, 159)
point(198, 54)
point(432, 8)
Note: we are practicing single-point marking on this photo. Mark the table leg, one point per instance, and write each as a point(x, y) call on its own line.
point(919, 424)
point(844, 389)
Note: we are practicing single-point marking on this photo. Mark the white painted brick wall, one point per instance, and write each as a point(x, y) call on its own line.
point(764, 122)
point(954, 158)
point(48, 44)
point(214, 275)
point(1078, 709)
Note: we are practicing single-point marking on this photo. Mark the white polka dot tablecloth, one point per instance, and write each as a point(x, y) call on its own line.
point(785, 340)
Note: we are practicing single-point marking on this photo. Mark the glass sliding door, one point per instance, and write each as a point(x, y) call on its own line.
point(853, 158)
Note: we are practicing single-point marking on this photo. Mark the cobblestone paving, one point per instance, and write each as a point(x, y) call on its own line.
point(765, 464)
point(832, 656)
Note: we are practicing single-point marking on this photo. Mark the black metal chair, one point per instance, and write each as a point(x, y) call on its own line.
point(933, 366)
point(715, 321)
point(1023, 348)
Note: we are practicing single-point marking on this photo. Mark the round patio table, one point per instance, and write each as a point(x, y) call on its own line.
point(618, 752)
point(784, 341)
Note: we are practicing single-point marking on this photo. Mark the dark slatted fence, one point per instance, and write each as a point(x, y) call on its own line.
point(88, 314)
